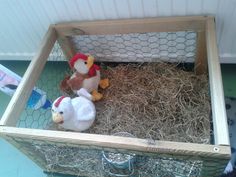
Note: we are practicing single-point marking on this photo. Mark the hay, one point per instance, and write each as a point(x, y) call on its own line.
point(151, 101)
point(155, 101)
point(82, 161)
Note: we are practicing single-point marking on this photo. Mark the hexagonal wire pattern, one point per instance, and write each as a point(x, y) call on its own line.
point(84, 161)
point(140, 47)
point(50, 78)
point(134, 47)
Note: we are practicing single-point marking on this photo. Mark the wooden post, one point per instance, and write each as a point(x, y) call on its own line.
point(200, 66)
point(66, 46)
point(221, 133)
point(65, 42)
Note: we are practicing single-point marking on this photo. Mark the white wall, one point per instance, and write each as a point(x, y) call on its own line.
point(24, 22)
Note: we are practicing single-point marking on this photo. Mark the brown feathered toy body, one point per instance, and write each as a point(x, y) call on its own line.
point(86, 75)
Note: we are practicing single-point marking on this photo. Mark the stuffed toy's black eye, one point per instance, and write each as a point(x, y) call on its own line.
point(61, 112)
point(85, 62)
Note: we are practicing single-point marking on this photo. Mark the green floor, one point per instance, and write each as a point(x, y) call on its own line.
point(15, 164)
point(229, 79)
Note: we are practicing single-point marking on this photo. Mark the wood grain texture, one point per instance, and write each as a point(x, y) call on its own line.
point(162, 24)
point(66, 46)
point(221, 133)
point(135, 144)
point(200, 65)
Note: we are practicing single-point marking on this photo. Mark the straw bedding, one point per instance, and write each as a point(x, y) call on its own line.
point(157, 101)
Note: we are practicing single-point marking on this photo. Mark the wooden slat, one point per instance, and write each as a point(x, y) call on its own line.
point(19, 99)
point(161, 24)
point(200, 66)
point(125, 143)
point(66, 46)
point(221, 133)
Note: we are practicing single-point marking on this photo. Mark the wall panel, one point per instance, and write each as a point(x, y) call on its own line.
point(23, 23)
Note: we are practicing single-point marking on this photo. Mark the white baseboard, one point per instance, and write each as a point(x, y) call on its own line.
point(226, 58)
point(16, 56)
point(25, 56)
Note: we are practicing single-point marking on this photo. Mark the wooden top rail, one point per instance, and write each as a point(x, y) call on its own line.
point(115, 142)
point(123, 26)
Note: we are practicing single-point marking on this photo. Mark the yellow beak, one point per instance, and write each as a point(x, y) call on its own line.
point(90, 61)
point(57, 118)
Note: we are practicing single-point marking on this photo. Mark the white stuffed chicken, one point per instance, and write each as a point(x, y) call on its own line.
point(87, 75)
point(77, 114)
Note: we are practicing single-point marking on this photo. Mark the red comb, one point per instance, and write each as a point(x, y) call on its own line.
point(76, 57)
point(92, 70)
point(59, 101)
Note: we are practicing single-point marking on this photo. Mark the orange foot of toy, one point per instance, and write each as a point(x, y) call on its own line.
point(104, 83)
point(96, 96)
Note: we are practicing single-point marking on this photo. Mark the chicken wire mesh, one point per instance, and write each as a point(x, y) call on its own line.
point(140, 47)
point(87, 161)
point(55, 69)
point(179, 47)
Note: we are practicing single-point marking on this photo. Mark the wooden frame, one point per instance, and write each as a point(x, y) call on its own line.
point(206, 53)
point(133, 144)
